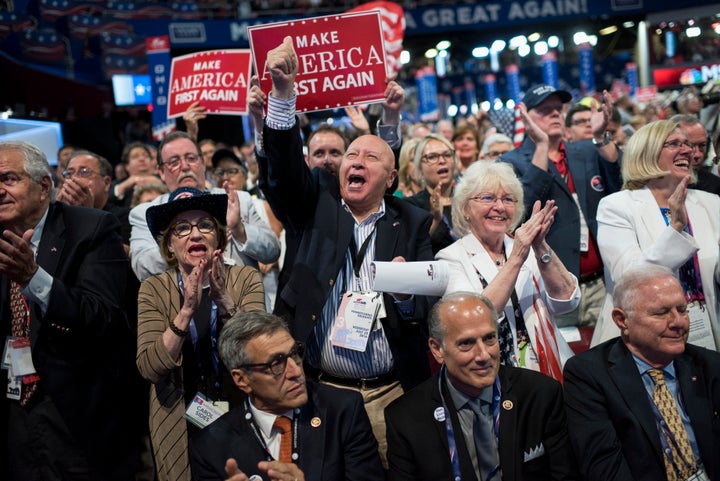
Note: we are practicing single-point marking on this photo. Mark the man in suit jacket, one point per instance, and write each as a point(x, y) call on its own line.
point(71, 268)
point(616, 428)
point(698, 136)
point(587, 169)
point(330, 436)
point(434, 432)
point(336, 216)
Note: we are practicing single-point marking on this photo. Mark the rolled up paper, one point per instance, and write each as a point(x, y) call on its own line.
point(422, 278)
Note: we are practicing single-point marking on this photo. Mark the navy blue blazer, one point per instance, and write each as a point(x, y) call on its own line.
point(593, 177)
point(341, 447)
point(531, 415)
point(309, 206)
point(83, 348)
point(610, 418)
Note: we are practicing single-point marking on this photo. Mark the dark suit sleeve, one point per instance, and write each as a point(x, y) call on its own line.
point(87, 297)
point(402, 466)
point(556, 440)
point(592, 434)
point(285, 179)
point(362, 461)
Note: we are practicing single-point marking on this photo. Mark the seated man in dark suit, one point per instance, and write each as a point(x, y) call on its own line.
point(644, 406)
point(327, 434)
point(62, 279)
point(476, 419)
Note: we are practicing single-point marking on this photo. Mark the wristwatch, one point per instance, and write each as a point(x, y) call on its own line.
point(545, 258)
point(607, 138)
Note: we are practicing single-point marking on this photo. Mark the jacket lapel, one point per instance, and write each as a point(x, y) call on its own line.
point(311, 440)
point(510, 459)
point(52, 242)
point(388, 228)
point(624, 373)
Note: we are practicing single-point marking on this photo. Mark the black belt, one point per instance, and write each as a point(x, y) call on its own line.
point(584, 278)
point(362, 383)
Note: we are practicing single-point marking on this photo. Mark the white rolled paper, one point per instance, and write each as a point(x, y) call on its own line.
point(422, 278)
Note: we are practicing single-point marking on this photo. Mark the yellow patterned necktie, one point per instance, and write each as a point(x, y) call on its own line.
point(680, 462)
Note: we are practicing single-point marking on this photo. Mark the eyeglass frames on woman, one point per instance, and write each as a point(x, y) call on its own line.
point(184, 228)
point(491, 199)
point(434, 158)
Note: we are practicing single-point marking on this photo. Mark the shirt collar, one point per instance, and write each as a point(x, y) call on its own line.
point(460, 399)
point(644, 367)
point(265, 420)
point(372, 218)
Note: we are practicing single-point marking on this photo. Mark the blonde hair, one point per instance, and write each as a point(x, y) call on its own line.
point(641, 154)
point(487, 177)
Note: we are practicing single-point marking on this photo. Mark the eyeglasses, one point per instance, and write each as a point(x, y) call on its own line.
point(434, 158)
point(702, 147)
point(184, 228)
point(581, 121)
point(279, 363)
point(678, 144)
point(83, 172)
point(548, 109)
point(491, 199)
point(173, 163)
point(223, 172)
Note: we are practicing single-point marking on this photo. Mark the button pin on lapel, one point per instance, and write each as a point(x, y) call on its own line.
point(396, 223)
point(439, 414)
point(507, 405)
point(53, 249)
point(315, 422)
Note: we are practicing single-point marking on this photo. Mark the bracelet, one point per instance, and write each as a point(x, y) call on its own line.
point(177, 331)
point(229, 314)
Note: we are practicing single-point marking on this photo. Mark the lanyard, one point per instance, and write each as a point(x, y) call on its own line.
point(213, 335)
point(358, 255)
point(263, 444)
point(450, 432)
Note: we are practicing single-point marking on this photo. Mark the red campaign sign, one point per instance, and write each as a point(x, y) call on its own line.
point(341, 59)
point(218, 79)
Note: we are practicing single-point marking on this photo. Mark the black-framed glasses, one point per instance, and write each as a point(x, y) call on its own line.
point(173, 163)
point(83, 172)
point(678, 144)
point(278, 364)
point(183, 228)
point(434, 157)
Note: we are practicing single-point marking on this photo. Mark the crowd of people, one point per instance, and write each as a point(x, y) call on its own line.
point(212, 314)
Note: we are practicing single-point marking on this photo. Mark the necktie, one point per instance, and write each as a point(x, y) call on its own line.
point(680, 463)
point(487, 454)
point(282, 424)
point(20, 327)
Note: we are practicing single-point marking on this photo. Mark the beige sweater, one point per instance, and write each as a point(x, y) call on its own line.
point(158, 303)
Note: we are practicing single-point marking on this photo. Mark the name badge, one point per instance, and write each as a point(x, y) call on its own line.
point(203, 411)
point(18, 350)
point(355, 320)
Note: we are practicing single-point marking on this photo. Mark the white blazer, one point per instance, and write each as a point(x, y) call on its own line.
point(632, 230)
point(466, 255)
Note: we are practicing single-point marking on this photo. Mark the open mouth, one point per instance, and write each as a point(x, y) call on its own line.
point(497, 218)
point(443, 171)
point(198, 250)
point(683, 164)
point(355, 180)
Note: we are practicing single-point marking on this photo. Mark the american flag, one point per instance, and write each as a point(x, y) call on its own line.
point(503, 120)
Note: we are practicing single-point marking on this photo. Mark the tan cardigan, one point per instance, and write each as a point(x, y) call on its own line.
point(158, 303)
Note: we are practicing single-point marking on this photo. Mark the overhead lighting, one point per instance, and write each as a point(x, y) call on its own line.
point(485, 105)
point(580, 37)
point(463, 109)
point(629, 24)
point(452, 110)
point(716, 27)
point(534, 37)
point(524, 50)
point(592, 39)
point(443, 53)
point(480, 52)
point(404, 57)
point(516, 42)
point(443, 45)
point(658, 31)
point(691, 32)
point(540, 48)
point(497, 45)
point(431, 53)
point(510, 104)
point(553, 41)
point(608, 30)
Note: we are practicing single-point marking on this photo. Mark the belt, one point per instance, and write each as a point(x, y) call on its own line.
point(584, 278)
point(361, 383)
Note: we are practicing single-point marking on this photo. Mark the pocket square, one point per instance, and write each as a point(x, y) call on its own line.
point(535, 452)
